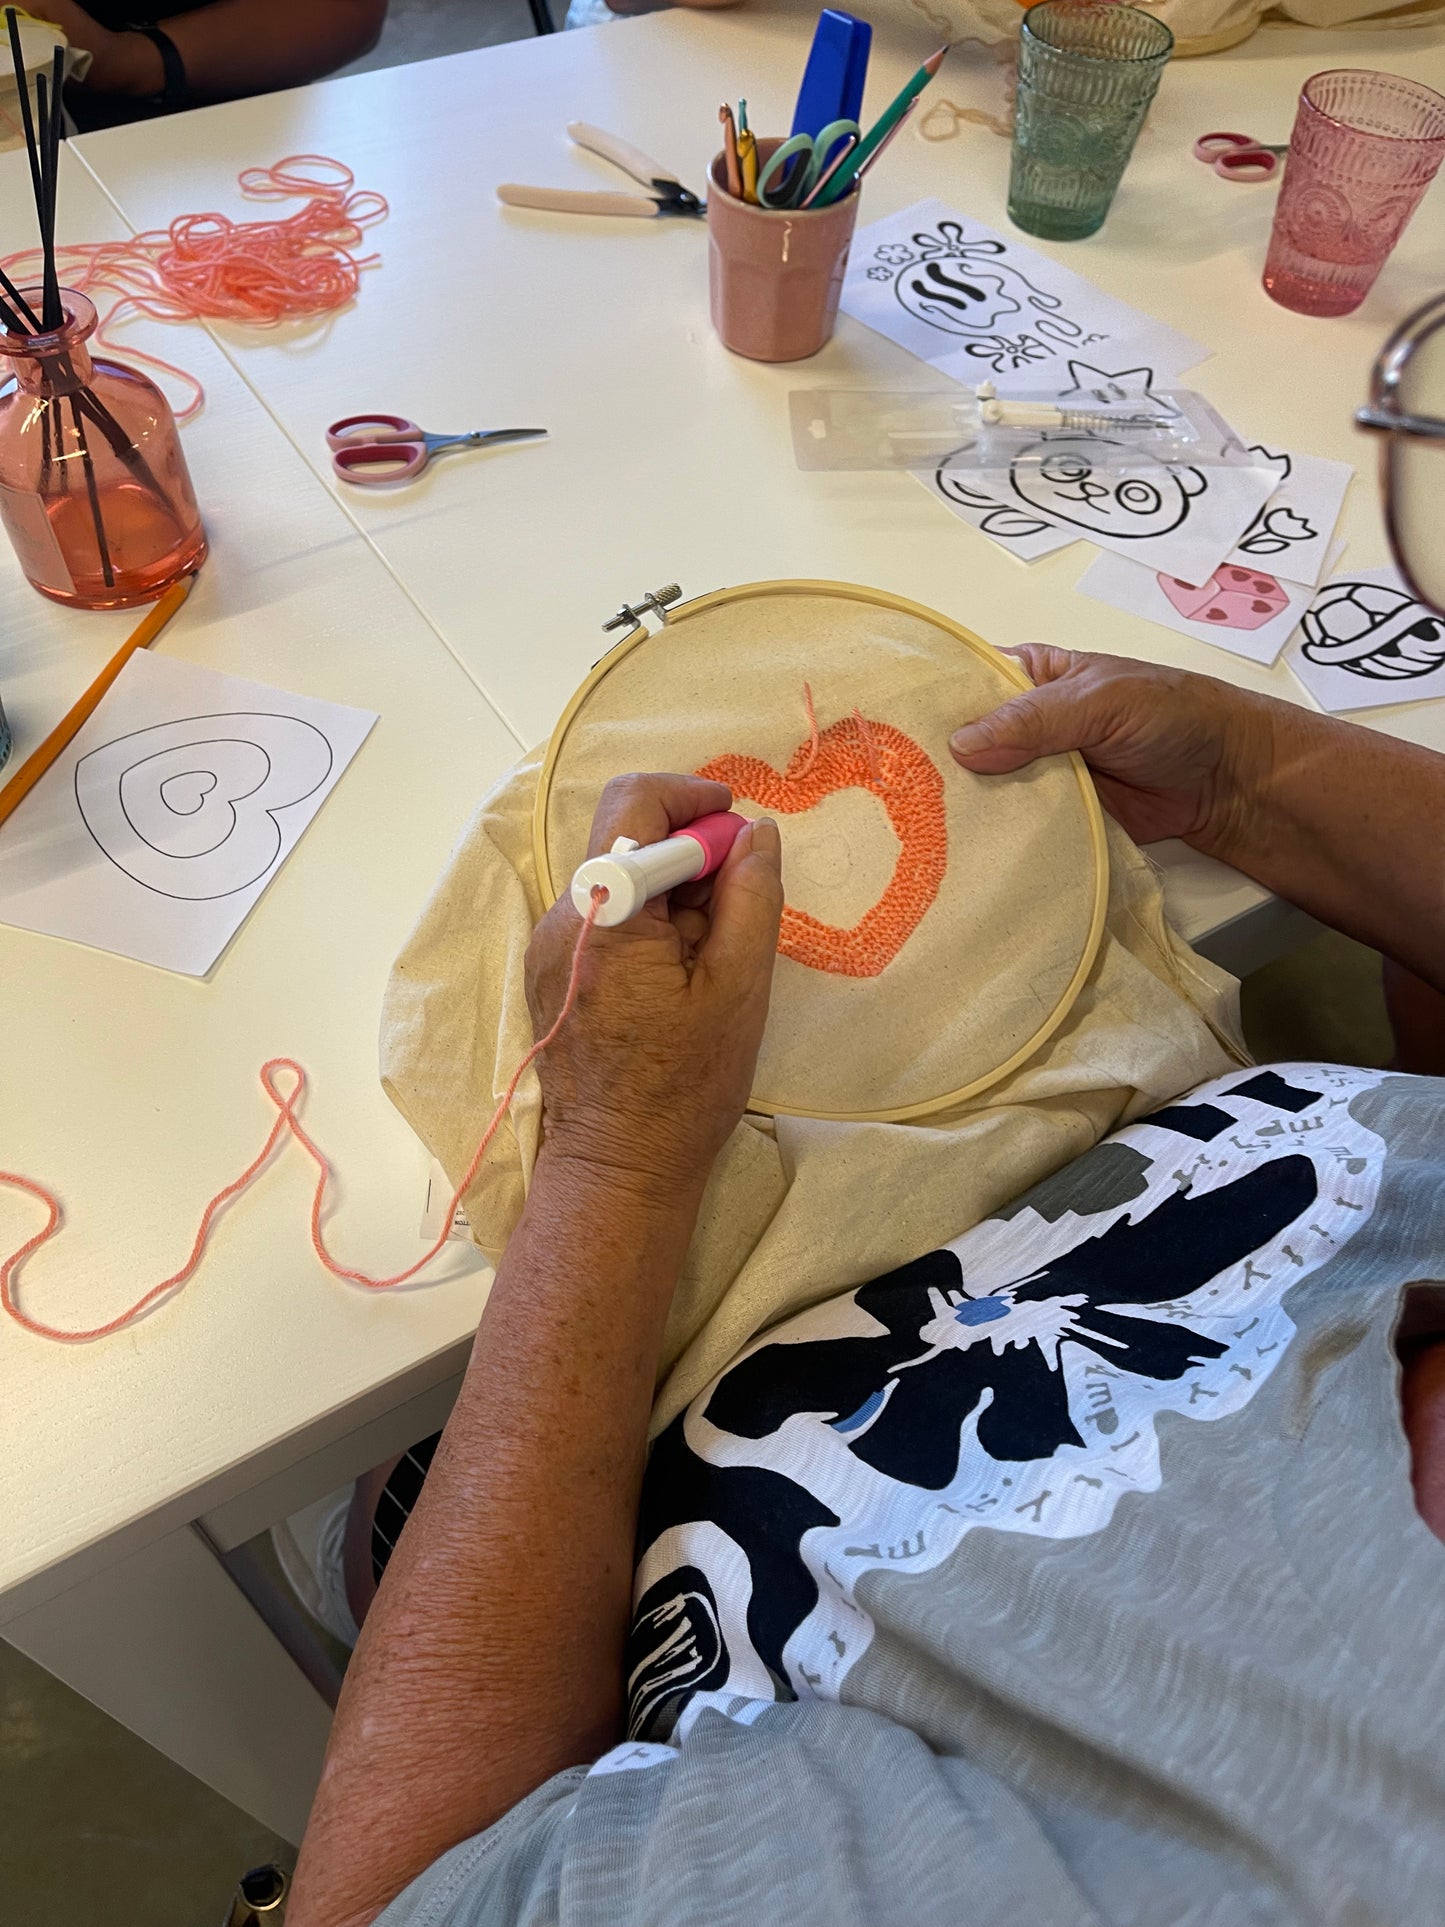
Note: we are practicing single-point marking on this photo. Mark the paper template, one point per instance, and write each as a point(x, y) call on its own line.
point(1291, 535)
point(1365, 642)
point(164, 821)
point(1171, 515)
point(978, 499)
point(978, 306)
point(1242, 609)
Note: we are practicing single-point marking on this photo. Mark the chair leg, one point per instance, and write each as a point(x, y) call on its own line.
point(542, 21)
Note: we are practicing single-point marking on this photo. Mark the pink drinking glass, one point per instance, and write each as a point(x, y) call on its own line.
point(1364, 149)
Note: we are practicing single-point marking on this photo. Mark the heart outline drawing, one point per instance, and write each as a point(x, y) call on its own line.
point(855, 753)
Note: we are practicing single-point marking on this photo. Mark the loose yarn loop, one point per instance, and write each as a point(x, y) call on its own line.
point(865, 733)
point(207, 267)
point(287, 1120)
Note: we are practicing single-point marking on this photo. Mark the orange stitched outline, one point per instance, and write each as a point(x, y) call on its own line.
point(855, 753)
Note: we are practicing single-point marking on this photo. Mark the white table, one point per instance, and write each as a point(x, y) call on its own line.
point(133, 1092)
point(465, 611)
point(670, 459)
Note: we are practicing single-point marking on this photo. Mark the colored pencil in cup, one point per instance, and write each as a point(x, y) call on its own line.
point(70, 725)
point(881, 130)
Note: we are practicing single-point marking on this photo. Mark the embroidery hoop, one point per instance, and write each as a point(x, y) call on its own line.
point(675, 620)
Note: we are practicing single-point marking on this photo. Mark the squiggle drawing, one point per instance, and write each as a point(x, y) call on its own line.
point(188, 808)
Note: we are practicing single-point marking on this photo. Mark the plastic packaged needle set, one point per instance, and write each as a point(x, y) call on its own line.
point(979, 428)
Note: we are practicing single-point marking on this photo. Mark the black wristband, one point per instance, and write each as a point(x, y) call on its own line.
point(176, 90)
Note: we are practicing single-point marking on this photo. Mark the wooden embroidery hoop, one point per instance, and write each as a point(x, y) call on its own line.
point(674, 618)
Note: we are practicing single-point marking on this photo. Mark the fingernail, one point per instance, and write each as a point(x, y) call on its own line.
point(972, 738)
point(765, 838)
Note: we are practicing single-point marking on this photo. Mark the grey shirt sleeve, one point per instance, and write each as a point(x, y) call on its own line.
point(810, 1813)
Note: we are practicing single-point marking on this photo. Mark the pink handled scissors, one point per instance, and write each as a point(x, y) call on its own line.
point(1239, 157)
point(371, 450)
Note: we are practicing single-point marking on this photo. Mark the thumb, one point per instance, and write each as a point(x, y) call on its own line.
point(1055, 717)
point(747, 908)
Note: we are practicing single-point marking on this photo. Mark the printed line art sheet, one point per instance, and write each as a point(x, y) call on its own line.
point(978, 306)
point(1242, 609)
point(1291, 537)
point(1172, 515)
point(161, 825)
point(1365, 642)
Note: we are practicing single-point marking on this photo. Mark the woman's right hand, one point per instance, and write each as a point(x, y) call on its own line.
point(1172, 754)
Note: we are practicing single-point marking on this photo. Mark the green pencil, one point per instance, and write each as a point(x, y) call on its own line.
point(879, 131)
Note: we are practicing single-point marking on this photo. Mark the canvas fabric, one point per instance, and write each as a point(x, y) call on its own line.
point(1108, 1607)
point(791, 1213)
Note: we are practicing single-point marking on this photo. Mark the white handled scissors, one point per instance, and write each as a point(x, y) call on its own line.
point(666, 193)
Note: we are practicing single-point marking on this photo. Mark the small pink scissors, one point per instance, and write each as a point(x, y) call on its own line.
point(372, 450)
point(1239, 157)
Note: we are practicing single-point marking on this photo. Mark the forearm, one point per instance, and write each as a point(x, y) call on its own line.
point(1348, 824)
point(239, 47)
point(492, 1657)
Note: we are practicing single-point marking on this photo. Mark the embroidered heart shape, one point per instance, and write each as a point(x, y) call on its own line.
point(855, 753)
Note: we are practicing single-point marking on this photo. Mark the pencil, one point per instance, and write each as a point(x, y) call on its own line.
point(70, 725)
point(881, 129)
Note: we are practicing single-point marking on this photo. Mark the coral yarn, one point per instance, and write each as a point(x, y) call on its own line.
point(287, 1120)
point(855, 753)
point(207, 267)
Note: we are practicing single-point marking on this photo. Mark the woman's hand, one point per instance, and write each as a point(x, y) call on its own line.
point(1172, 754)
point(650, 1075)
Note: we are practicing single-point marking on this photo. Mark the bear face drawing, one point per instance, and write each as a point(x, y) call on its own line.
point(1064, 477)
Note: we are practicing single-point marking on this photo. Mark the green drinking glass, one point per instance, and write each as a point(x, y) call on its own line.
point(1088, 70)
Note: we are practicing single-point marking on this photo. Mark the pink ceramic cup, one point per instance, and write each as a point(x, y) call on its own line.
point(1365, 147)
point(775, 274)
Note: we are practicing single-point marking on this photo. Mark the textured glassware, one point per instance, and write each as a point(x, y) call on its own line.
point(94, 490)
point(1087, 73)
point(1365, 147)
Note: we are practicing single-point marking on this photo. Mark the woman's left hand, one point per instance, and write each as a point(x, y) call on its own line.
point(651, 1073)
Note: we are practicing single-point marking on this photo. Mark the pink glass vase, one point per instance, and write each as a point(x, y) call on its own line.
point(94, 490)
point(1364, 149)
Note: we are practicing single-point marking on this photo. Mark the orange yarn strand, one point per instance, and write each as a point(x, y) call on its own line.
point(207, 267)
point(286, 1120)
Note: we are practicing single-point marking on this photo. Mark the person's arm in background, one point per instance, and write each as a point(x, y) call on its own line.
point(230, 49)
point(1344, 822)
point(492, 1655)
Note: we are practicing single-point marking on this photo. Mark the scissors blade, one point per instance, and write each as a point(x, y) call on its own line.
point(487, 435)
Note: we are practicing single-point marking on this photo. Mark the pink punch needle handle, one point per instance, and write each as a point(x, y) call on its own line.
point(716, 832)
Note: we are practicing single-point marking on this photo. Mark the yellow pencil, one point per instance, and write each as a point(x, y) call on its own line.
point(69, 726)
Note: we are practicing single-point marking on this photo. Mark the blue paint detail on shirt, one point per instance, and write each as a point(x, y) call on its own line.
point(981, 1311)
point(861, 1417)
